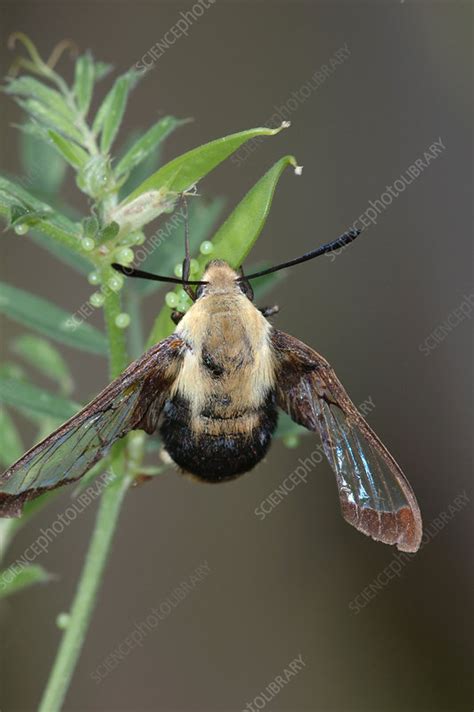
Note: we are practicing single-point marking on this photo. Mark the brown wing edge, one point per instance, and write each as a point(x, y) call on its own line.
point(168, 350)
point(303, 375)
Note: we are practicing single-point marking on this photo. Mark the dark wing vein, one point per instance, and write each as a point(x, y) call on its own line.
point(69, 452)
point(374, 494)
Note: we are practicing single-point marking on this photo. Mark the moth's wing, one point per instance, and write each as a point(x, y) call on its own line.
point(131, 401)
point(374, 494)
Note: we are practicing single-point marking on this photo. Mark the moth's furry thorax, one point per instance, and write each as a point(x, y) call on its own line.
point(229, 345)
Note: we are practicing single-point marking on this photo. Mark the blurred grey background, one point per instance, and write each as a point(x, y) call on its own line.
point(282, 587)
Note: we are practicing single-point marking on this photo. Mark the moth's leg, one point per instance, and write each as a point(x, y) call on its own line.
point(176, 316)
point(270, 311)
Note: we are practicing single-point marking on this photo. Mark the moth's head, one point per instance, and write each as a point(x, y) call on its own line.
point(222, 279)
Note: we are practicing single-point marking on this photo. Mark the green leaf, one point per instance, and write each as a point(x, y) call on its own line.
point(36, 153)
point(11, 447)
point(70, 151)
point(48, 319)
point(25, 396)
point(10, 373)
point(84, 81)
point(50, 118)
point(169, 250)
point(110, 114)
point(183, 172)
point(15, 213)
point(91, 226)
point(57, 226)
point(236, 236)
point(40, 354)
point(108, 232)
point(148, 142)
point(20, 216)
point(9, 369)
point(16, 579)
point(138, 174)
point(30, 87)
point(12, 193)
point(33, 128)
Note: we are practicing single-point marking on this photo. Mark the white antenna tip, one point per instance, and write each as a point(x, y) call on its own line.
point(298, 170)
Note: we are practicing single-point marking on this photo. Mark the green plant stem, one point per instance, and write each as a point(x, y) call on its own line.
point(84, 600)
point(116, 335)
point(99, 547)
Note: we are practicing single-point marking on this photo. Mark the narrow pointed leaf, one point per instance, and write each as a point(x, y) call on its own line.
point(109, 232)
point(20, 216)
point(184, 171)
point(141, 172)
point(26, 397)
point(48, 319)
point(57, 226)
point(11, 369)
point(36, 153)
point(238, 234)
point(84, 81)
point(33, 128)
point(148, 142)
point(111, 111)
point(47, 116)
point(30, 87)
point(16, 579)
point(69, 150)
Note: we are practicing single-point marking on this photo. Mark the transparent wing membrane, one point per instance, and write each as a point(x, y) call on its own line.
point(68, 456)
point(373, 498)
point(69, 452)
point(374, 494)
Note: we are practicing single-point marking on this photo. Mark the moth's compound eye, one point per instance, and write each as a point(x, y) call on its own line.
point(200, 290)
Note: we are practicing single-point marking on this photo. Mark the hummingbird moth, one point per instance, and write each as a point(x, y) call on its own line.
point(213, 391)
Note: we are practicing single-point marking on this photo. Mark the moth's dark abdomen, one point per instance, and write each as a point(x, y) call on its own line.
point(217, 457)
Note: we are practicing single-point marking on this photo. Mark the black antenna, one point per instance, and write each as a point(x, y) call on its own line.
point(341, 241)
point(132, 272)
point(187, 252)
